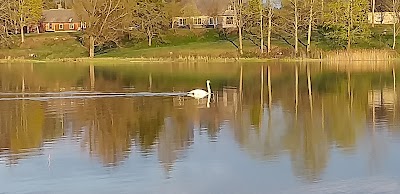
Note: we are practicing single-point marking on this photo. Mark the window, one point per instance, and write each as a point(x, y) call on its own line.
point(229, 20)
point(60, 26)
point(71, 26)
point(211, 21)
point(50, 25)
point(182, 21)
point(197, 21)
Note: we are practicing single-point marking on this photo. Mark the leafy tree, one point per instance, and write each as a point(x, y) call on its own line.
point(345, 21)
point(29, 13)
point(251, 21)
point(49, 4)
point(150, 19)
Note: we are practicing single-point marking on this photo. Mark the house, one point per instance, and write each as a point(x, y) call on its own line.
point(61, 20)
point(383, 18)
point(225, 19)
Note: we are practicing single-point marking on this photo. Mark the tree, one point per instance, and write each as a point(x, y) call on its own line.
point(29, 13)
point(107, 20)
point(150, 18)
point(345, 21)
point(310, 24)
point(289, 22)
point(253, 23)
point(238, 10)
point(5, 19)
point(261, 7)
point(270, 8)
point(49, 4)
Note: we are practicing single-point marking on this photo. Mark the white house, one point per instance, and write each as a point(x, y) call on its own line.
point(383, 18)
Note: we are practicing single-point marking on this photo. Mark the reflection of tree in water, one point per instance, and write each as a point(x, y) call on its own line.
point(21, 128)
point(110, 128)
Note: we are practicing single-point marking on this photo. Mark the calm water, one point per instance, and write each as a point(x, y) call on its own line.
point(81, 128)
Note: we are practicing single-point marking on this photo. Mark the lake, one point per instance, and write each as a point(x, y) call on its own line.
point(267, 128)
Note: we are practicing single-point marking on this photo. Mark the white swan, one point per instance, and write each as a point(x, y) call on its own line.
point(199, 93)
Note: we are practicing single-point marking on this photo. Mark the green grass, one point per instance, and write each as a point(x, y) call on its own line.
point(47, 46)
point(175, 43)
point(211, 49)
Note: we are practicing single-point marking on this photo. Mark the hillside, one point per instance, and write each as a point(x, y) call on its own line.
point(47, 46)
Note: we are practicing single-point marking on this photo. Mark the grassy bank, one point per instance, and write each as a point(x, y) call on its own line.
point(186, 45)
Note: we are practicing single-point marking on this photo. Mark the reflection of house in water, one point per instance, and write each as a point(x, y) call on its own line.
point(381, 102)
point(381, 98)
point(229, 96)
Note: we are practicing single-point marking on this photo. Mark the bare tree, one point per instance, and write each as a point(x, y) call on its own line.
point(310, 23)
point(261, 26)
point(373, 13)
point(296, 26)
point(238, 9)
point(150, 18)
point(106, 20)
point(8, 21)
point(270, 7)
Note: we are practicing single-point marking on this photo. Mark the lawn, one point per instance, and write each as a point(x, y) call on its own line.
point(47, 46)
point(175, 43)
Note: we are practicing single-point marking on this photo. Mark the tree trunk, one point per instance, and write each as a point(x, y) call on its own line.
point(296, 26)
point(373, 13)
point(310, 27)
point(394, 36)
point(238, 13)
point(322, 10)
point(21, 25)
point(149, 39)
point(394, 24)
point(37, 29)
point(91, 46)
point(269, 27)
point(261, 28)
point(349, 25)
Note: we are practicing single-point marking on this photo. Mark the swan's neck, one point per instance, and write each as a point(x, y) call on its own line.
point(208, 87)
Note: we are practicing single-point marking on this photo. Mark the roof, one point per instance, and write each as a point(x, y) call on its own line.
point(60, 15)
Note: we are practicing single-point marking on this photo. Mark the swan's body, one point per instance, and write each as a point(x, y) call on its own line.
point(199, 93)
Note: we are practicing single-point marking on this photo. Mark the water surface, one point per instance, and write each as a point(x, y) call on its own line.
point(267, 128)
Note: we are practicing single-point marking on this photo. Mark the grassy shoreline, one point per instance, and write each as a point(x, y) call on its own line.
point(116, 60)
point(186, 46)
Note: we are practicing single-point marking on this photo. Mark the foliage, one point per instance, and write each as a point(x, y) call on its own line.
point(107, 20)
point(149, 19)
point(343, 16)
